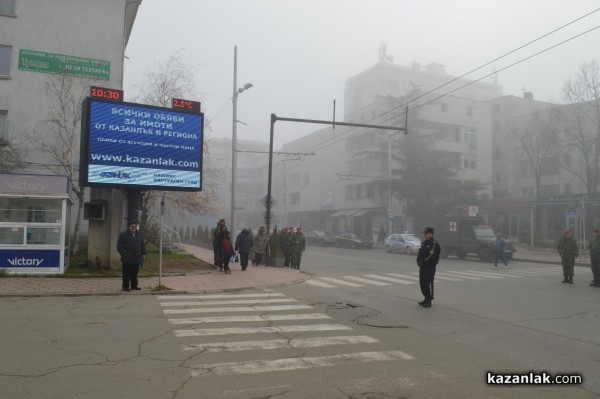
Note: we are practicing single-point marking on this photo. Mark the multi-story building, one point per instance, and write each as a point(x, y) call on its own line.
point(342, 187)
point(40, 43)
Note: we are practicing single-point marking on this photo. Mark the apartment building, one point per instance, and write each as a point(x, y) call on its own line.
point(342, 187)
point(42, 42)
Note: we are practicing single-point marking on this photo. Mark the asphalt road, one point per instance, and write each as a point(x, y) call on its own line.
point(353, 331)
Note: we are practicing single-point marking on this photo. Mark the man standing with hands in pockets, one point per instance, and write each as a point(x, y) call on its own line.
point(130, 244)
point(427, 259)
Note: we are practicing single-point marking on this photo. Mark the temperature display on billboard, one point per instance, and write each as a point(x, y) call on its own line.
point(141, 146)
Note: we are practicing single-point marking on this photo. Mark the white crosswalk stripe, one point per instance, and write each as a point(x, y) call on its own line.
point(195, 332)
point(231, 302)
point(450, 273)
point(319, 283)
point(440, 276)
point(338, 281)
point(495, 273)
point(281, 343)
point(471, 275)
point(404, 276)
point(270, 314)
point(366, 280)
point(244, 319)
point(297, 363)
point(238, 309)
point(394, 280)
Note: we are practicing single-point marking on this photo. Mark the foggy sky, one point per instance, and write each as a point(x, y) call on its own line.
point(299, 53)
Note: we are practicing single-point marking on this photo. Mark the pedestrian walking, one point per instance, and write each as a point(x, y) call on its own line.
point(217, 238)
point(226, 251)
point(260, 244)
point(131, 247)
point(297, 246)
point(595, 258)
point(243, 244)
point(568, 251)
point(427, 260)
point(498, 248)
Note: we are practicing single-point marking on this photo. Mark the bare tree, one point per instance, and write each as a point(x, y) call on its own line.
point(60, 139)
point(583, 131)
point(175, 78)
point(12, 155)
point(540, 146)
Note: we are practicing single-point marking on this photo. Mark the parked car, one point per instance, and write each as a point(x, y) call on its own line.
point(351, 240)
point(402, 242)
point(320, 238)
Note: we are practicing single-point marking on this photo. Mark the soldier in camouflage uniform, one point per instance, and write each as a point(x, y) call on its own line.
point(568, 251)
point(595, 258)
point(284, 240)
point(297, 246)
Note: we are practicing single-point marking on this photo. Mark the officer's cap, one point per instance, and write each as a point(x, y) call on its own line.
point(567, 231)
point(132, 221)
point(428, 230)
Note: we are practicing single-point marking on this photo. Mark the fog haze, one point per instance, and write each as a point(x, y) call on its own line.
point(298, 54)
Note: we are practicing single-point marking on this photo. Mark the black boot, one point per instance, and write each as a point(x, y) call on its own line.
point(565, 280)
point(570, 279)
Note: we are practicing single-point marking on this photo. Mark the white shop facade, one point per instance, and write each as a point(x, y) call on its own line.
point(34, 224)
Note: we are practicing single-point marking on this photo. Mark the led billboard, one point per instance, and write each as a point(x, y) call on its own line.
point(140, 146)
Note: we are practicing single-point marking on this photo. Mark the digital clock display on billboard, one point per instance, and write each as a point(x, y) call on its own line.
point(140, 146)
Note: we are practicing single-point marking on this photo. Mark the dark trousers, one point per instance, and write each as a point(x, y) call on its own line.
point(426, 275)
point(244, 260)
point(499, 255)
point(130, 273)
point(225, 263)
point(257, 259)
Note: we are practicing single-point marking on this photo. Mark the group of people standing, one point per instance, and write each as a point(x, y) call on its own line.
point(293, 244)
point(248, 247)
point(569, 251)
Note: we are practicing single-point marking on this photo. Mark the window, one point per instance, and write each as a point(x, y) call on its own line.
point(295, 198)
point(526, 192)
point(469, 161)
point(469, 136)
point(5, 54)
point(567, 187)
point(3, 125)
point(550, 189)
point(306, 178)
point(295, 179)
point(444, 107)
point(7, 7)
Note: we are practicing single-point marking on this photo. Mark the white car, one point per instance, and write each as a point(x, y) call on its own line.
point(405, 243)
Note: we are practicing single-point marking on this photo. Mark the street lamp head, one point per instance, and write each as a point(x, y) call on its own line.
point(246, 87)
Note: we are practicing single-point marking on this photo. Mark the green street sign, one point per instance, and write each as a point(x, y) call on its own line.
point(41, 61)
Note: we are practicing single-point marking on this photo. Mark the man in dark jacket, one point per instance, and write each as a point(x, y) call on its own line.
point(243, 244)
point(427, 259)
point(132, 249)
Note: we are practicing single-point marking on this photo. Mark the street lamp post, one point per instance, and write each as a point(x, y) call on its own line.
point(236, 92)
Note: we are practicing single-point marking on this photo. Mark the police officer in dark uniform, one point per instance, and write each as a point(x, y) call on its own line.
point(427, 259)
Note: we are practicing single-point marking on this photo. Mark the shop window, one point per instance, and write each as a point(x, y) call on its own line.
point(11, 235)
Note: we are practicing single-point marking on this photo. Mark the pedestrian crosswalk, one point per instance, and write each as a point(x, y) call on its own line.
point(216, 324)
point(441, 275)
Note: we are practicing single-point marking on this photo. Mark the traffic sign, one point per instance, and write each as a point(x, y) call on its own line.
point(263, 201)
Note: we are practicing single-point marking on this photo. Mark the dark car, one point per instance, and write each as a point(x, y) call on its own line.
point(351, 240)
point(320, 238)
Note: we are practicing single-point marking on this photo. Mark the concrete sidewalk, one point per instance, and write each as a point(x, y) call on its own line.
point(206, 281)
